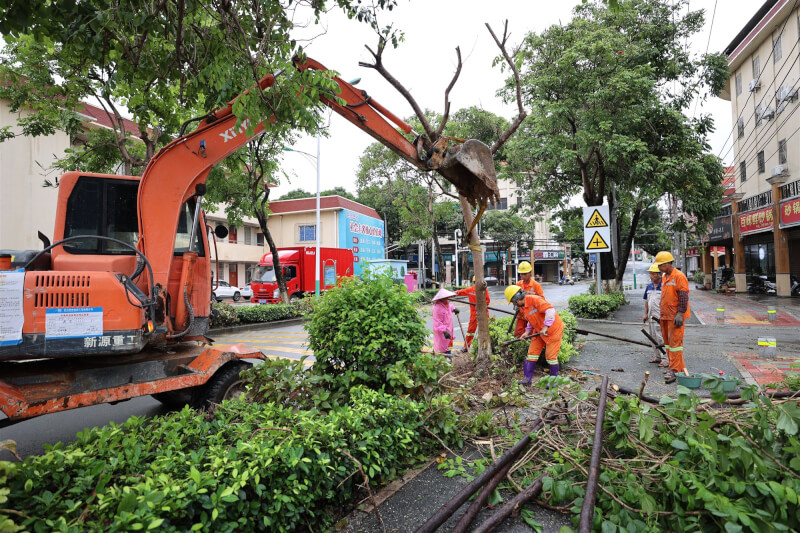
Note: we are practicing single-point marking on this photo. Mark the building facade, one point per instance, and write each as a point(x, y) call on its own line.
point(343, 224)
point(764, 63)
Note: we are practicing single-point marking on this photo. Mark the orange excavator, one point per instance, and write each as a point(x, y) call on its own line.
point(118, 306)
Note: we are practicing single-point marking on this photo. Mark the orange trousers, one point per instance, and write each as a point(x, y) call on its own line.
point(673, 343)
point(551, 344)
point(471, 329)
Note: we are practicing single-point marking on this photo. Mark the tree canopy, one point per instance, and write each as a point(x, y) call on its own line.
point(607, 94)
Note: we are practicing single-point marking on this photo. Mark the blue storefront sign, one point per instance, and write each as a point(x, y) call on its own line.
point(364, 235)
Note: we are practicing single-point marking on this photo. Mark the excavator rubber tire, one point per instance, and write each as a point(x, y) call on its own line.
point(176, 399)
point(225, 384)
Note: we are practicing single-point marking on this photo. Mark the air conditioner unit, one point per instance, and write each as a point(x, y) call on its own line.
point(779, 171)
point(768, 114)
point(754, 85)
point(787, 94)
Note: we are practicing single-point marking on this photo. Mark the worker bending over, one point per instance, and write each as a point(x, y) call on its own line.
point(530, 286)
point(469, 292)
point(543, 322)
point(674, 310)
point(443, 322)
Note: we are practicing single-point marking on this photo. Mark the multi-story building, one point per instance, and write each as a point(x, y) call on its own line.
point(764, 62)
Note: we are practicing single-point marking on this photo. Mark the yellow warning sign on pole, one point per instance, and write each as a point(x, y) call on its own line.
point(597, 243)
point(596, 229)
point(596, 220)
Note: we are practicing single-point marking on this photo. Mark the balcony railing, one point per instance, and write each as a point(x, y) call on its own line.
point(725, 211)
point(790, 190)
point(755, 202)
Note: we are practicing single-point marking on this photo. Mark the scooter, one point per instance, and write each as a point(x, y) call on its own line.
point(795, 286)
point(566, 281)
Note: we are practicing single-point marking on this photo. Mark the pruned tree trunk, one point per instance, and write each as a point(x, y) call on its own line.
point(484, 342)
point(276, 263)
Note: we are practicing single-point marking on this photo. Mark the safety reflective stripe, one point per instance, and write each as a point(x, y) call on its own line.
point(767, 343)
point(678, 349)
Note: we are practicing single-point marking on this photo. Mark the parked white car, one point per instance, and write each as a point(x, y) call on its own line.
point(226, 290)
point(247, 292)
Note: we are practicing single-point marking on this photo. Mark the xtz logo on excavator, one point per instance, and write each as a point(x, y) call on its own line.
point(231, 133)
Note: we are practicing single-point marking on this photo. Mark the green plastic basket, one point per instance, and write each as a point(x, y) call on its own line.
point(729, 384)
point(690, 382)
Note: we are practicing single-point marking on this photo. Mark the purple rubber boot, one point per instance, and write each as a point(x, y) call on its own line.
point(554, 369)
point(527, 371)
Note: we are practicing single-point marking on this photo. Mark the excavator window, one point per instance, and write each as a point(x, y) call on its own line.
point(105, 207)
point(185, 229)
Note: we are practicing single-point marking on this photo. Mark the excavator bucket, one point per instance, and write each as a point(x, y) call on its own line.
point(470, 168)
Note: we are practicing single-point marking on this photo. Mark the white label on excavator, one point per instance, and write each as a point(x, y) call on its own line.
point(12, 317)
point(71, 322)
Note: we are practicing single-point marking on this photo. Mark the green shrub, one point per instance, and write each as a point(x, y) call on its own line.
point(245, 467)
point(594, 305)
point(362, 327)
point(223, 315)
point(698, 277)
point(267, 312)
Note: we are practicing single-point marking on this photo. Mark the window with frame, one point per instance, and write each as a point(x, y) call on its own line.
point(233, 237)
point(756, 67)
point(740, 127)
point(307, 232)
point(783, 156)
point(777, 49)
point(246, 231)
point(759, 112)
point(738, 83)
point(259, 239)
point(743, 171)
point(761, 165)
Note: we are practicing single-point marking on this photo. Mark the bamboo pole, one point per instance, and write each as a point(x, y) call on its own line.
point(587, 332)
point(447, 510)
point(587, 510)
point(481, 500)
point(531, 492)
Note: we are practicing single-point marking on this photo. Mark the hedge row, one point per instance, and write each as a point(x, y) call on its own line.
point(596, 305)
point(244, 467)
point(227, 315)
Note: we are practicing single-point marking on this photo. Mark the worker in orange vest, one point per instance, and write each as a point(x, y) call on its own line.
point(469, 292)
point(674, 311)
point(530, 286)
point(542, 320)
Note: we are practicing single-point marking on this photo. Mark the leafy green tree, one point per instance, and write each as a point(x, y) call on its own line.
point(387, 208)
point(162, 61)
point(505, 228)
point(608, 92)
point(302, 193)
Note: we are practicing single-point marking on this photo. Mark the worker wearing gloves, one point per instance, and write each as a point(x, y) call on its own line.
point(469, 292)
point(674, 311)
point(443, 322)
point(530, 286)
point(652, 314)
point(542, 320)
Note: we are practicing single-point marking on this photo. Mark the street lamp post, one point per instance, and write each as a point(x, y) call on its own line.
point(455, 251)
point(317, 226)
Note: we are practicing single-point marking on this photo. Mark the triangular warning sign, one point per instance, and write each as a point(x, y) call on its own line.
point(597, 242)
point(596, 220)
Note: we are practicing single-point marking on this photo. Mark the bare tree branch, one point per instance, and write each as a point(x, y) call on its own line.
point(509, 57)
point(446, 114)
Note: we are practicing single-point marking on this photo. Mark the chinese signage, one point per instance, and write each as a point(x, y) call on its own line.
point(692, 252)
point(755, 221)
point(363, 234)
point(70, 322)
point(547, 254)
point(721, 229)
point(790, 213)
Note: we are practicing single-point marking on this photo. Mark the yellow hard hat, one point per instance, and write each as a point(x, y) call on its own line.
point(524, 267)
point(663, 257)
point(473, 279)
point(511, 291)
point(653, 268)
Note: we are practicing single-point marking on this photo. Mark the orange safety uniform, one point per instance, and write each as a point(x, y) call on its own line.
point(531, 287)
point(671, 285)
point(534, 313)
point(469, 292)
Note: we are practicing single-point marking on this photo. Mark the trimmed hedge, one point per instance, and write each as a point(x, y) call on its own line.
point(594, 305)
point(244, 467)
point(226, 315)
point(267, 312)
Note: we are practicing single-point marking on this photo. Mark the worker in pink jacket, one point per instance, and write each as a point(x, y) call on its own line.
point(443, 322)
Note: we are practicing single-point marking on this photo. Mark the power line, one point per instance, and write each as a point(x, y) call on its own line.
point(730, 135)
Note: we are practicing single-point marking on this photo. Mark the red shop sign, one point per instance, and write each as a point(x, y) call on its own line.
point(790, 212)
point(756, 221)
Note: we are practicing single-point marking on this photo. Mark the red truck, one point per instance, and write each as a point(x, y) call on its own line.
point(297, 265)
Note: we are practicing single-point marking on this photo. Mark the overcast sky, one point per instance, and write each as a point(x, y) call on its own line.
point(425, 63)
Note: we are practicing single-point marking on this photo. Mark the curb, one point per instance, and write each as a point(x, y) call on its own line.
point(257, 325)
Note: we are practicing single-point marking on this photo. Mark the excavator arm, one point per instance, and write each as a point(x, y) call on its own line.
point(179, 171)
